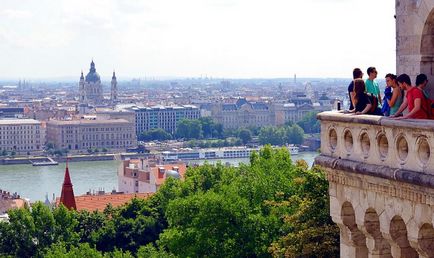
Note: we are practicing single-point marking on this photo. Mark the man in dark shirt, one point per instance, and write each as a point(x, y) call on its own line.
point(357, 74)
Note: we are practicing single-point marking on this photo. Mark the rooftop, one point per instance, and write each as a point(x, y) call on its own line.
point(19, 122)
point(99, 202)
point(88, 122)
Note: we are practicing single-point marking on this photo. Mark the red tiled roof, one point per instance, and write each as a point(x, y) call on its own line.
point(8, 204)
point(99, 202)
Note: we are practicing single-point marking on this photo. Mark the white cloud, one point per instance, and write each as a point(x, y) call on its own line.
point(226, 38)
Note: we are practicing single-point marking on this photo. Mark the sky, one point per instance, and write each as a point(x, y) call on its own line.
point(193, 38)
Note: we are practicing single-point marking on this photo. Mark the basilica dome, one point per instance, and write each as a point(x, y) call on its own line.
point(93, 76)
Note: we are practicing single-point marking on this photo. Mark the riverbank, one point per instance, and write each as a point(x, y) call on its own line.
point(72, 158)
point(35, 182)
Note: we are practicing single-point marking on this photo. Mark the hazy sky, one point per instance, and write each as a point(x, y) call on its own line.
point(189, 38)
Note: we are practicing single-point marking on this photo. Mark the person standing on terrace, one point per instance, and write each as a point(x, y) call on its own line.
point(362, 102)
point(414, 99)
point(357, 74)
point(421, 83)
point(397, 94)
point(371, 85)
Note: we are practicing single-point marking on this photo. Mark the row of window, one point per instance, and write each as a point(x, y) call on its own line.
point(18, 127)
point(19, 137)
point(19, 146)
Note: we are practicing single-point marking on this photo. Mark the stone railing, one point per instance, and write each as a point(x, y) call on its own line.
point(381, 183)
point(396, 146)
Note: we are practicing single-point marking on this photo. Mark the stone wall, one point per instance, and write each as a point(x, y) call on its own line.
point(415, 38)
point(381, 183)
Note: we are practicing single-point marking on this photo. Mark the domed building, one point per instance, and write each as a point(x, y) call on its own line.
point(90, 87)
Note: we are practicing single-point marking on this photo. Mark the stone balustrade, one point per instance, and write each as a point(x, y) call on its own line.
point(399, 144)
point(381, 183)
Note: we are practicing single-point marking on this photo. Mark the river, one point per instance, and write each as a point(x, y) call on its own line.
point(35, 182)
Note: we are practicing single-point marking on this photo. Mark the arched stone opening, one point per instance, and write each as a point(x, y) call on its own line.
point(426, 240)
point(427, 51)
point(356, 237)
point(398, 232)
point(378, 246)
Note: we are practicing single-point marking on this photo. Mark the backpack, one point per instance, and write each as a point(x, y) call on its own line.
point(374, 103)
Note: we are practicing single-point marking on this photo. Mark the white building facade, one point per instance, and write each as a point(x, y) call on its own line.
point(21, 135)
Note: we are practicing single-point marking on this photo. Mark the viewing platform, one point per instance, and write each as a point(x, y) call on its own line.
point(381, 183)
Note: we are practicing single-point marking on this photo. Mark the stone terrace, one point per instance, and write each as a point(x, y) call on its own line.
point(381, 183)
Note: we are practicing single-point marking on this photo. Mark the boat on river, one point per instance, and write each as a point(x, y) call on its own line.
point(216, 153)
point(49, 162)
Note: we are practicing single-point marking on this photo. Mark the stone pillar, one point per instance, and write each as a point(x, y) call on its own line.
point(415, 39)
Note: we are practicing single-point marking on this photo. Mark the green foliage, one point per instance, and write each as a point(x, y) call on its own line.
point(228, 212)
point(150, 251)
point(203, 127)
point(245, 135)
point(281, 135)
point(309, 123)
point(210, 129)
point(270, 207)
point(294, 134)
point(157, 134)
point(82, 250)
point(272, 135)
point(189, 129)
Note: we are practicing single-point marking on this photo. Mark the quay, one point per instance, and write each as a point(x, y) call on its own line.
point(73, 158)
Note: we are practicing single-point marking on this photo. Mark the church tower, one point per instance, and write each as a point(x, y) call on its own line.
point(91, 88)
point(114, 89)
point(67, 195)
point(81, 88)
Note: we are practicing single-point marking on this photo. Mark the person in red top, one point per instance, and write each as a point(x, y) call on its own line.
point(414, 98)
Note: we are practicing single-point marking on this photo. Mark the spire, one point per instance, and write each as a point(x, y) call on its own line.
point(81, 77)
point(92, 66)
point(114, 75)
point(67, 194)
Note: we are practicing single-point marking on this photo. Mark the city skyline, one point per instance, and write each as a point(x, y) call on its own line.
point(219, 39)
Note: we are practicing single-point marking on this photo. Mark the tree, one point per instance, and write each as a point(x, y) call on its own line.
point(271, 206)
point(294, 134)
point(189, 129)
point(272, 135)
point(157, 134)
point(245, 135)
point(49, 146)
point(228, 212)
point(207, 126)
point(309, 123)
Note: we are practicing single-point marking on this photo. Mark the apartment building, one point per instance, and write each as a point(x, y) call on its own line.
point(147, 175)
point(21, 135)
point(165, 117)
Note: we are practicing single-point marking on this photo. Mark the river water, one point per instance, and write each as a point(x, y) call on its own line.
point(35, 182)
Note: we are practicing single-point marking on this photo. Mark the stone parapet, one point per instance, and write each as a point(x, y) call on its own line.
point(399, 145)
point(381, 183)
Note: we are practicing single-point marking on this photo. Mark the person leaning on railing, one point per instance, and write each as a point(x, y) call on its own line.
point(414, 100)
point(397, 94)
